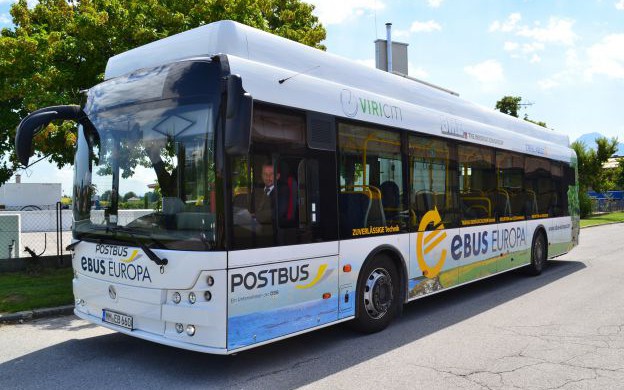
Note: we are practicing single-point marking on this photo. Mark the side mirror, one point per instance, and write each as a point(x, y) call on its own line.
point(238, 117)
point(35, 122)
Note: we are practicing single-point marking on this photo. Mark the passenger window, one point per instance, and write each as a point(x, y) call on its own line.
point(537, 182)
point(480, 199)
point(432, 181)
point(371, 182)
point(517, 202)
point(558, 192)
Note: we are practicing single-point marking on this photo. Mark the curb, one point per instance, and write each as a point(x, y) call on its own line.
point(29, 315)
point(601, 224)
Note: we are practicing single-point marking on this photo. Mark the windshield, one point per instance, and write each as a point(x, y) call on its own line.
point(148, 164)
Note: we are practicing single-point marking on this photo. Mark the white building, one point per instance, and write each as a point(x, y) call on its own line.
point(17, 196)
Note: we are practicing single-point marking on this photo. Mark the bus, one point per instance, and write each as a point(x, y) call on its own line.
point(297, 190)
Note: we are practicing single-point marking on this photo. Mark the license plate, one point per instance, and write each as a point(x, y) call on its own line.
point(117, 319)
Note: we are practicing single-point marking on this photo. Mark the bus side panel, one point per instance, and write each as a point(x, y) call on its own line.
point(479, 252)
point(274, 300)
point(467, 254)
point(559, 231)
point(431, 266)
point(354, 253)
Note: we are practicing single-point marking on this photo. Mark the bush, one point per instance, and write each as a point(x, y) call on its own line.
point(585, 204)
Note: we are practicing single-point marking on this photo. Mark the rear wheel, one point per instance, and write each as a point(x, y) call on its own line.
point(378, 295)
point(538, 254)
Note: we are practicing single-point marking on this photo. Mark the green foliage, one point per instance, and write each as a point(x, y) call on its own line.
point(509, 105)
point(106, 196)
point(20, 291)
point(590, 161)
point(618, 175)
point(59, 48)
point(129, 195)
point(602, 219)
point(585, 204)
point(539, 123)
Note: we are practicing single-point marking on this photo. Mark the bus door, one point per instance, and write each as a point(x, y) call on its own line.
point(283, 271)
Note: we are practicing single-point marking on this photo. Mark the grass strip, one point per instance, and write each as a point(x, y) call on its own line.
point(20, 291)
point(602, 219)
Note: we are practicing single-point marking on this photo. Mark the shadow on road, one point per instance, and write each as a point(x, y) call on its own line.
point(119, 361)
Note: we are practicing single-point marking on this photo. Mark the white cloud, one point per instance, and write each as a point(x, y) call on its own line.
point(335, 12)
point(558, 31)
point(4, 19)
point(396, 33)
point(530, 40)
point(547, 84)
point(528, 48)
point(619, 5)
point(507, 25)
point(489, 71)
point(427, 26)
point(572, 72)
point(607, 57)
point(510, 46)
point(437, 3)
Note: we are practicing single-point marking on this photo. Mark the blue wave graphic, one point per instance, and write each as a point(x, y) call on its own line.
point(256, 327)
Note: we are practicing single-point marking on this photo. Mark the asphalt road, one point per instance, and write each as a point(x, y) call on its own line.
point(561, 330)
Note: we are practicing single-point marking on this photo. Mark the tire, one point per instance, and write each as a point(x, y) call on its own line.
point(378, 296)
point(538, 254)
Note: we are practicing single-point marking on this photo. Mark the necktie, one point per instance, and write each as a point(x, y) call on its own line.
point(267, 191)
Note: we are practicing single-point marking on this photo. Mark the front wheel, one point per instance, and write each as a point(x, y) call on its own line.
point(538, 254)
point(378, 295)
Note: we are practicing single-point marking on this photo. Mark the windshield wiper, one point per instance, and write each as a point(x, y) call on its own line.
point(152, 256)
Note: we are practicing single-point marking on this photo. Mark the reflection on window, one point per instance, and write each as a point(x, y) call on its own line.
point(151, 168)
point(431, 180)
point(521, 202)
point(371, 182)
point(537, 182)
point(480, 199)
point(556, 199)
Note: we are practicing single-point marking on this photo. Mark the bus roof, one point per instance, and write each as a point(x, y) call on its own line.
point(359, 92)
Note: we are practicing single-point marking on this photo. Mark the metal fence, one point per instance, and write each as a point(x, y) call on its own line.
point(607, 202)
point(34, 232)
point(607, 205)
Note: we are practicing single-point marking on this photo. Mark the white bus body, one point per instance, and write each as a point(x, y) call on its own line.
point(248, 297)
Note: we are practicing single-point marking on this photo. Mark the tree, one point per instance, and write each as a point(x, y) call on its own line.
point(510, 105)
point(619, 175)
point(129, 195)
point(106, 195)
point(60, 47)
point(590, 171)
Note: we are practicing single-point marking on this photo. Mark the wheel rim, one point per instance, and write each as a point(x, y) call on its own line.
point(538, 252)
point(378, 295)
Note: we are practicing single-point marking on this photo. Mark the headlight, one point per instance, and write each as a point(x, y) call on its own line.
point(179, 327)
point(192, 298)
point(190, 330)
point(177, 297)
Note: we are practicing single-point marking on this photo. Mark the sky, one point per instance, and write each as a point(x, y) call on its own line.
point(566, 57)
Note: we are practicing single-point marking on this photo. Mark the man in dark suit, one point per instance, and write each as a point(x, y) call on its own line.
point(265, 199)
